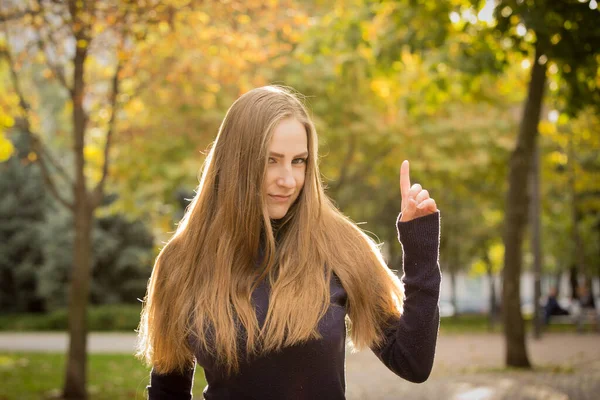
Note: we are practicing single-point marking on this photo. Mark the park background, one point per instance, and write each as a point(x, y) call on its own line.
point(108, 108)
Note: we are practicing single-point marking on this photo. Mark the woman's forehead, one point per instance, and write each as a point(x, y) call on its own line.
point(289, 138)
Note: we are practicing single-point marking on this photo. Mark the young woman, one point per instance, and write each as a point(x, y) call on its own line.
point(263, 272)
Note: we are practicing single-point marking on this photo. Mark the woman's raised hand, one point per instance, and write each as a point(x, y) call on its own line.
point(415, 200)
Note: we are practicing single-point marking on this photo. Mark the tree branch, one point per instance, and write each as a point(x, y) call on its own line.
point(43, 45)
point(48, 156)
point(344, 173)
point(18, 15)
point(49, 182)
point(26, 126)
point(359, 175)
point(98, 192)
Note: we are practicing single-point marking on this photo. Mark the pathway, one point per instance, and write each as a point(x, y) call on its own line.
point(467, 367)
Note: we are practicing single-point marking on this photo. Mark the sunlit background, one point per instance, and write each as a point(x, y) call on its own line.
point(443, 84)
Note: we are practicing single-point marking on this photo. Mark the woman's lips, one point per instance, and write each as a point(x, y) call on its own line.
point(279, 199)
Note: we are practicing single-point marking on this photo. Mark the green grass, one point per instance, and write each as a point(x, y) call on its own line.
point(120, 317)
point(29, 376)
point(479, 324)
point(125, 318)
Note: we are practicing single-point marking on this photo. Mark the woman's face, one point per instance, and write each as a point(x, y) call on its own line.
point(288, 152)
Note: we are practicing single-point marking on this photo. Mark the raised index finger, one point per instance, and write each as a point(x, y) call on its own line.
point(404, 181)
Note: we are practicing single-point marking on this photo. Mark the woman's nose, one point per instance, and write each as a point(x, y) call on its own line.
point(286, 179)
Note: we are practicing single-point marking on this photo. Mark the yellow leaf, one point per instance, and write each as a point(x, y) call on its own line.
point(208, 100)
point(213, 87)
point(546, 128)
point(163, 26)
point(6, 121)
point(136, 106)
point(32, 156)
point(82, 44)
point(93, 154)
point(558, 158)
point(381, 87)
point(202, 17)
point(98, 29)
point(563, 119)
point(477, 268)
point(6, 148)
point(243, 19)
point(6, 361)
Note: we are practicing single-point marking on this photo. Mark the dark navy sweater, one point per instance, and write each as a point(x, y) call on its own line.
point(316, 369)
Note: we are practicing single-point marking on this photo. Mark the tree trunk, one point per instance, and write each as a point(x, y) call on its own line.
point(454, 267)
point(598, 263)
point(493, 306)
point(578, 253)
point(573, 281)
point(536, 242)
point(453, 291)
point(516, 215)
point(76, 371)
point(557, 279)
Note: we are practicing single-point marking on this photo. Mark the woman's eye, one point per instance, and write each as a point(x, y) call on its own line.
point(271, 160)
point(299, 160)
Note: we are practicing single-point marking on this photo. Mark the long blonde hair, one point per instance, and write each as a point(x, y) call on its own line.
point(203, 278)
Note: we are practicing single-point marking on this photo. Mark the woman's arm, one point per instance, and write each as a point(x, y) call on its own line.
point(409, 346)
point(171, 386)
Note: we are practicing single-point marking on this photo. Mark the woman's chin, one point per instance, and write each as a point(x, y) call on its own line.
point(277, 213)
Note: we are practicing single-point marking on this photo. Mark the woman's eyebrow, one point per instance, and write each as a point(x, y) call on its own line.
point(279, 155)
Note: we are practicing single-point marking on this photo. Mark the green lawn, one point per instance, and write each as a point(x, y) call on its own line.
point(125, 318)
point(28, 376)
point(117, 317)
point(479, 324)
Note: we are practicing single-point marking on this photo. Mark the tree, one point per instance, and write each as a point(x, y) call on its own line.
point(73, 40)
point(213, 53)
point(36, 262)
point(121, 259)
point(571, 167)
point(564, 32)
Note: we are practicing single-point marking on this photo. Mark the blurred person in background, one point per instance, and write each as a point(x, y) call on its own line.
point(586, 308)
point(552, 306)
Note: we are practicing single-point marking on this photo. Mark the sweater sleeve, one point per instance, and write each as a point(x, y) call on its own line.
point(171, 386)
point(409, 342)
